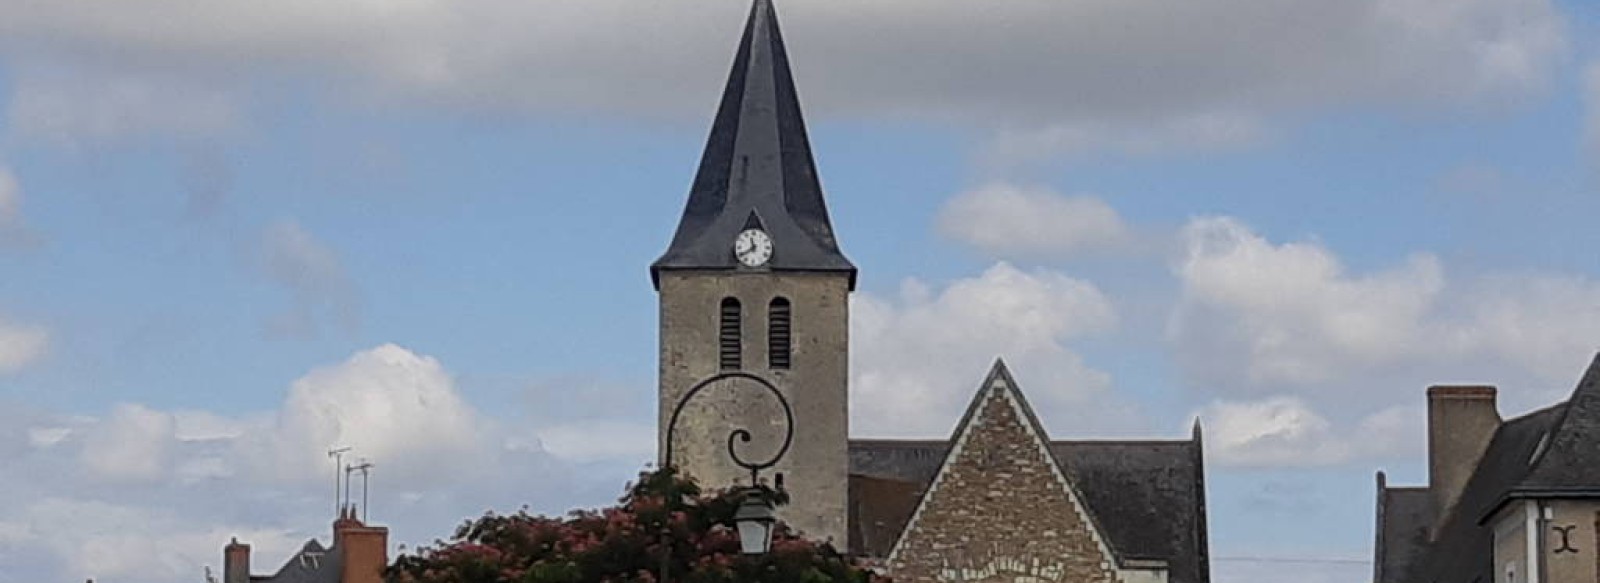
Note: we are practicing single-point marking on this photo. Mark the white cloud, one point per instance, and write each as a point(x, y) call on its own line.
point(1013, 146)
point(21, 345)
point(1283, 431)
point(312, 272)
point(1257, 314)
point(1023, 63)
point(916, 359)
point(204, 425)
point(134, 444)
point(78, 108)
point(600, 439)
point(398, 408)
point(154, 495)
point(1543, 323)
point(47, 436)
point(115, 542)
point(1005, 220)
point(1290, 313)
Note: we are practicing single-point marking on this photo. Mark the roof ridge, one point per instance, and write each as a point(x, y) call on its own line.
point(1091, 441)
point(896, 440)
point(1088, 441)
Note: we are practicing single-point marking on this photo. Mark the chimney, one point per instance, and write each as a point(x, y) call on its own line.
point(365, 549)
point(1461, 421)
point(236, 562)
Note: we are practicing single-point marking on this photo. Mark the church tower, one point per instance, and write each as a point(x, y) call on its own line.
point(754, 283)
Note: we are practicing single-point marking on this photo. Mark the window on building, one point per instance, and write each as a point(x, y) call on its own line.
point(729, 339)
point(778, 333)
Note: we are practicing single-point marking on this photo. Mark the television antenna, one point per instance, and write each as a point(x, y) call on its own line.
point(337, 453)
point(364, 467)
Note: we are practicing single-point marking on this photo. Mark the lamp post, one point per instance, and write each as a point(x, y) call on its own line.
point(755, 518)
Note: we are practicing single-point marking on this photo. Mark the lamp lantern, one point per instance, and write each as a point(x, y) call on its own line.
point(754, 521)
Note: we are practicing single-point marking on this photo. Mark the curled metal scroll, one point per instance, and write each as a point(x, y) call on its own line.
point(740, 435)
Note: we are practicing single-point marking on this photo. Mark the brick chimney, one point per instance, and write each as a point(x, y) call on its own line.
point(1461, 421)
point(365, 549)
point(236, 562)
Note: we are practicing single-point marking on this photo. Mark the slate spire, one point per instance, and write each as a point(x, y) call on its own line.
point(757, 162)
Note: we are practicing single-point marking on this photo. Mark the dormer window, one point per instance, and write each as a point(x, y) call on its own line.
point(778, 334)
point(730, 334)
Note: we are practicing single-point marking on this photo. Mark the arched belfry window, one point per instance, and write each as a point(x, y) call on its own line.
point(778, 333)
point(728, 337)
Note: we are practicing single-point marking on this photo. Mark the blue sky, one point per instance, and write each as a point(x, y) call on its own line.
point(233, 234)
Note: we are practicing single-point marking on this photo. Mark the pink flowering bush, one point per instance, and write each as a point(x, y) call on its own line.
point(662, 520)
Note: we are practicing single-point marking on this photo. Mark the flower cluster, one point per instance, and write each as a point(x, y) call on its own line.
point(664, 524)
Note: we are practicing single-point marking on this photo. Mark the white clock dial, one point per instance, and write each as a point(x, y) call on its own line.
point(752, 247)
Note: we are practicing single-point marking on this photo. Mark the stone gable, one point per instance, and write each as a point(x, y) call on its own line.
point(1000, 509)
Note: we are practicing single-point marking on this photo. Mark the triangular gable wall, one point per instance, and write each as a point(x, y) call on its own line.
point(1000, 506)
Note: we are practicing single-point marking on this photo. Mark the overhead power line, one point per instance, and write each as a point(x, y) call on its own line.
point(1296, 560)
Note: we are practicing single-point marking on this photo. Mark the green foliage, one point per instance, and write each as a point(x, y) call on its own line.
point(663, 520)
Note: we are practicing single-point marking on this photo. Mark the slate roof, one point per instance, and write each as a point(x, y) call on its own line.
point(1570, 464)
point(1147, 497)
point(757, 169)
point(1463, 548)
point(1404, 517)
point(1550, 453)
point(312, 564)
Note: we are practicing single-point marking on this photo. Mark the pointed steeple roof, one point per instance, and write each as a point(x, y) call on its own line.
point(757, 162)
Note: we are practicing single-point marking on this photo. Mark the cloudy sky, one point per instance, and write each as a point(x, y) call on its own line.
point(235, 233)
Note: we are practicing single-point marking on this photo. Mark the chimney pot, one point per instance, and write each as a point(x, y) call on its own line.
point(236, 562)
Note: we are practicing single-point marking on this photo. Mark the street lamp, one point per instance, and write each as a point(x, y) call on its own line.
point(754, 519)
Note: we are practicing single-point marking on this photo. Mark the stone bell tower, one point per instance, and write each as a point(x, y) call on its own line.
point(754, 283)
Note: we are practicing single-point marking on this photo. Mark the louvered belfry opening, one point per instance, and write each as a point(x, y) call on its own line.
point(730, 332)
point(778, 333)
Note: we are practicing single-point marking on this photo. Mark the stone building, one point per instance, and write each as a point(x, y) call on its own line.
point(359, 554)
point(1001, 501)
point(1508, 500)
point(754, 298)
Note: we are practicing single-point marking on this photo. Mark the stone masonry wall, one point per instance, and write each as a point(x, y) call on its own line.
point(1572, 542)
point(1000, 512)
point(816, 467)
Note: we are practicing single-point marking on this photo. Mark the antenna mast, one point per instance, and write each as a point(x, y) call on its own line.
point(364, 466)
point(337, 453)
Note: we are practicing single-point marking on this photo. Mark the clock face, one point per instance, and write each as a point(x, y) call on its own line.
point(752, 247)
